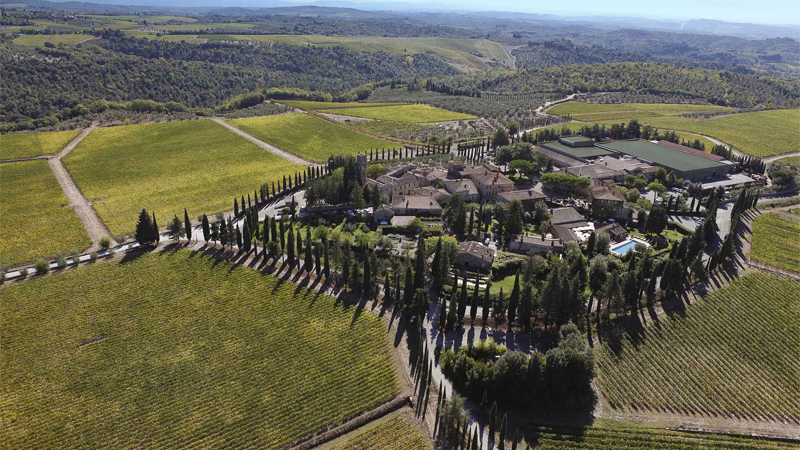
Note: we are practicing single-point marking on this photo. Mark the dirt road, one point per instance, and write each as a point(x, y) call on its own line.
point(294, 159)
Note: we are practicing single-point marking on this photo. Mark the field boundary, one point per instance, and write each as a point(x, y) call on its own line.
point(94, 225)
point(359, 130)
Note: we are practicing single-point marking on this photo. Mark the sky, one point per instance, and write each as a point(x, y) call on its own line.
point(780, 12)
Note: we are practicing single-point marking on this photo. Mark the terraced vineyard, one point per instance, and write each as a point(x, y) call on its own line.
point(734, 355)
point(394, 434)
point(26, 145)
point(607, 435)
point(35, 221)
point(166, 167)
point(309, 137)
point(175, 350)
point(776, 241)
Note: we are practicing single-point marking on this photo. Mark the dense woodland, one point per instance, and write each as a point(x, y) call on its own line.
point(717, 87)
point(198, 76)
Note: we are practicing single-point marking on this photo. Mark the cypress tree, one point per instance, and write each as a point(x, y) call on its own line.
point(242, 204)
point(486, 304)
point(474, 440)
point(513, 301)
point(473, 309)
point(206, 229)
point(408, 295)
point(327, 263)
point(238, 237)
point(266, 231)
point(188, 225)
point(273, 225)
point(367, 275)
point(235, 207)
point(308, 265)
point(515, 439)
point(317, 266)
point(283, 235)
point(437, 260)
point(247, 238)
point(144, 228)
point(492, 421)
point(156, 237)
point(462, 300)
point(223, 233)
point(299, 240)
point(442, 324)
point(502, 439)
point(290, 248)
point(419, 267)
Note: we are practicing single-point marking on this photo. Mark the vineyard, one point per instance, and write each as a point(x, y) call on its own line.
point(402, 113)
point(39, 40)
point(394, 434)
point(733, 355)
point(762, 133)
point(165, 167)
point(175, 350)
point(26, 145)
point(776, 241)
point(36, 221)
point(606, 435)
point(309, 137)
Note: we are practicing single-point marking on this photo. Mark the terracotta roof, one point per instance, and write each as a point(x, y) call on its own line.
point(519, 242)
point(476, 249)
point(605, 193)
point(491, 179)
point(567, 215)
point(691, 150)
point(415, 202)
point(528, 194)
point(459, 186)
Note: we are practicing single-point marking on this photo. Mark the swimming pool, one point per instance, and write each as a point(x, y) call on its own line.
point(626, 246)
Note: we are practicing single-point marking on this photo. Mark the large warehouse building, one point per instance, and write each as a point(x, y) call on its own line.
point(686, 164)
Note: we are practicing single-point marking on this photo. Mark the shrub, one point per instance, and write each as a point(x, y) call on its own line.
point(105, 243)
point(61, 261)
point(41, 267)
point(23, 273)
point(75, 255)
point(93, 257)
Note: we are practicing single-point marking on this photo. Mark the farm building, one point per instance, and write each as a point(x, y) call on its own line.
point(474, 256)
point(576, 147)
point(686, 165)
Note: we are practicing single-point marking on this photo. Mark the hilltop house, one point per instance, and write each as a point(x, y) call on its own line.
point(474, 256)
point(416, 205)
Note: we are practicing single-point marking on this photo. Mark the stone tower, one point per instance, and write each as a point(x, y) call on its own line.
point(361, 159)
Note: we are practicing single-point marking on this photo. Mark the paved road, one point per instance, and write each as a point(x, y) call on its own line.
point(268, 147)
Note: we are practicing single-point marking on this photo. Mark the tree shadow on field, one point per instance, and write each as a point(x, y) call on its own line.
point(360, 306)
point(135, 253)
point(616, 331)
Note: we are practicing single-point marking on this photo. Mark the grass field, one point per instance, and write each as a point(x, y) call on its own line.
point(308, 137)
point(165, 167)
point(402, 113)
point(762, 133)
point(197, 354)
point(394, 434)
point(26, 145)
point(149, 19)
point(733, 355)
point(34, 219)
point(776, 241)
point(386, 128)
point(606, 434)
point(38, 40)
point(467, 52)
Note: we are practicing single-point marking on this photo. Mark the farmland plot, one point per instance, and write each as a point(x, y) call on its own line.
point(309, 137)
point(35, 221)
point(165, 167)
point(401, 113)
point(734, 355)
point(175, 350)
point(26, 145)
point(776, 241)
point(394, 434)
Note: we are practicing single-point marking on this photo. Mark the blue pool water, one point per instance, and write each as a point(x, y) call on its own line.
point(624, 247)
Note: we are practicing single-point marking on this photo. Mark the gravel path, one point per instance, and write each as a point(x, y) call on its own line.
point(83, 208)
point(294, 159)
